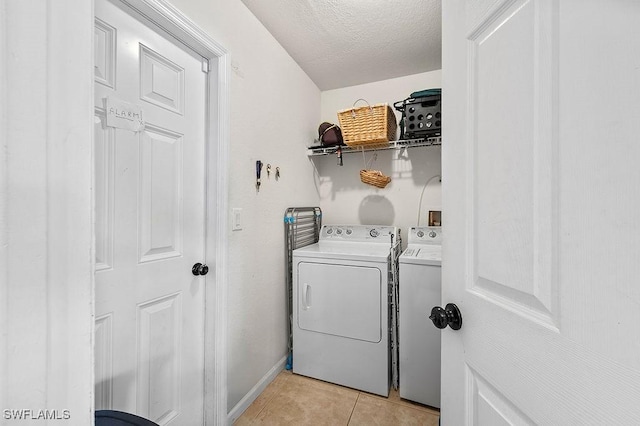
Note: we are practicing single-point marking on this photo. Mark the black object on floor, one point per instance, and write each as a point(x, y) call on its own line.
point(119, 418)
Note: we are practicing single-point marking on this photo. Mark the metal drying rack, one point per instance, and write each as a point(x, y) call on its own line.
point(301, 228)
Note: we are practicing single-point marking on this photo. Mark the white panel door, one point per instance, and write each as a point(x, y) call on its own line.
point(540, 178)
point(150, 219)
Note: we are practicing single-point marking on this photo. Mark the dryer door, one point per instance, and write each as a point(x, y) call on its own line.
point(341, 300)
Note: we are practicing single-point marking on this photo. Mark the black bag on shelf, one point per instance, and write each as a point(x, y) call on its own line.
point(330, 134)
point(421, 114)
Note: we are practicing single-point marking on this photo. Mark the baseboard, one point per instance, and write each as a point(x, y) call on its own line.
point(255, 391)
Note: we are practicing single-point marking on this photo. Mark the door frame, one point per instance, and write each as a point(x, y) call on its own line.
point(173, 22)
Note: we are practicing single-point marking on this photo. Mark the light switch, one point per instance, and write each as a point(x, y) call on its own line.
point(236, 219)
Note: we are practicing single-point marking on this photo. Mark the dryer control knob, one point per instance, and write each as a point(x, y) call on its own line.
point(432, 234)
point(420, 234)
point(374, 233)
point(329, 231)
point(349, 231)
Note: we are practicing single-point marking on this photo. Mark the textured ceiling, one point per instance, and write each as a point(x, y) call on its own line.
point(341, 43)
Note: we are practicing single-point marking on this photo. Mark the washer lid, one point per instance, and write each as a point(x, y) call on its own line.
point(346, 251)
point(422, 254)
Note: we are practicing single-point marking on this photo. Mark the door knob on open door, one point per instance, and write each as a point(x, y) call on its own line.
point(450, 316)
point(199, 269)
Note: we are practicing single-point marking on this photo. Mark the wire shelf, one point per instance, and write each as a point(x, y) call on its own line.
point(400, 144)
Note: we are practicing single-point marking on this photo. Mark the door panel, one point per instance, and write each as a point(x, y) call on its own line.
point(104, 53)
point(340, 300)
point(150, 218)
point(512, 212)
point(103, 355)
point(104, 152)
point(489, 407)
point(536, 188)
point(160, 331)
point(160, 225)
point(161, 81)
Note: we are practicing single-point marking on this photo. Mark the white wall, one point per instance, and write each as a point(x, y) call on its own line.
point(46, 268)
point(345, 199)
point(274, 112)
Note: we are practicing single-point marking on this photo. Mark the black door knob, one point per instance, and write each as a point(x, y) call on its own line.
point(450, 316)
point(199, 269)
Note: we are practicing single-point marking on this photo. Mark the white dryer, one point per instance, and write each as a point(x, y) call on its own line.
point(419, 341)
point(341, 314)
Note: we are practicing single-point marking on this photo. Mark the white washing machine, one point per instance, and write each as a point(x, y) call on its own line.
point(341, 313)
point(419, 341)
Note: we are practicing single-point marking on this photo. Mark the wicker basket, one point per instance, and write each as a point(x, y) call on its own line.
point(367, 125)
point(374, 177)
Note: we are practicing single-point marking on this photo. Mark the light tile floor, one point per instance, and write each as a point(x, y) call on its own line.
point(297, 400)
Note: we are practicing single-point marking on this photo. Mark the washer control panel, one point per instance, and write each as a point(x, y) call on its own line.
point(359, 233)
point(425, 235)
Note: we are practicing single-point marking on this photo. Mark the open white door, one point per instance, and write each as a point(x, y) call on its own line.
point(541, 169)
point(150, 221)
